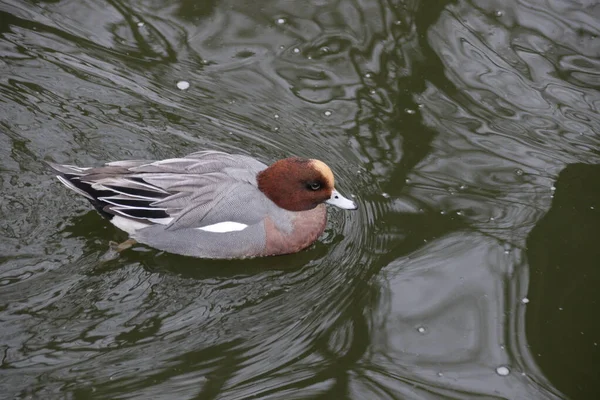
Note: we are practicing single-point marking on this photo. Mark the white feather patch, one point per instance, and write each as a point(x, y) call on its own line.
point(127, 224)
point(116, 183)
point(161, 221)
point(170, 161)
point(224, 227)
point(76, 168)
point(98, 186)
point(68, 184)
point(126, 163)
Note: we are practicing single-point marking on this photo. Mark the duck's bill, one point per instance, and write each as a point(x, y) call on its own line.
point(340, 201)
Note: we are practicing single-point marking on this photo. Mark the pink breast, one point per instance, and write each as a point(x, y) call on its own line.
point(307, 227)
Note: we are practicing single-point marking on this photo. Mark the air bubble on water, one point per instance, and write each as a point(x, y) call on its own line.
point(276, 116)
point(385, 195)
point(443, 212)
point(422, 329)
point(140, 24)
point(519, 171)
point(281, 47)
point(410, 111)
point(492, 219)
point(502, 371)
point(281, 21)
point(560, 308)
point(440, 374)
point(183, 85)
point(460, 213)
point(507, 249)
point(276, 128)
point(407, 180)
point(463, 187)
point(501, 347)
point(327, 113)
point(524, 300)
point(296, 50)
point(552, 188)
point(368, 75)
point(324, 49)
point(499, 14)
point(372, 91)
point(398, 22)
point(451, 190)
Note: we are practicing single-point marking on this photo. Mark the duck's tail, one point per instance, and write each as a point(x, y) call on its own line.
point(114, 189)
point(69, 176)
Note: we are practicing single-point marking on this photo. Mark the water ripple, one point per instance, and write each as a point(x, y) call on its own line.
point(449, 122)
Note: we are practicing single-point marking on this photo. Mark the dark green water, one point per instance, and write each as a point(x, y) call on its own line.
point(468, 132)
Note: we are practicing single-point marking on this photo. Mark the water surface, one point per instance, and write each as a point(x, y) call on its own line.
point(450, 121)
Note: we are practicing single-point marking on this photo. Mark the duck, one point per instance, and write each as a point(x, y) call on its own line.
point(212, 204)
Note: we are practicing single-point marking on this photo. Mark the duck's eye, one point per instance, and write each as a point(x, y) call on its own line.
point(314, 185)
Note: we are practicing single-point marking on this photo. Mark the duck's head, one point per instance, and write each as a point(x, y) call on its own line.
point(299, 184)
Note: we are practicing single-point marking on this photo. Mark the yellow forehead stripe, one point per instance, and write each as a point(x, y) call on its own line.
point(323, 169)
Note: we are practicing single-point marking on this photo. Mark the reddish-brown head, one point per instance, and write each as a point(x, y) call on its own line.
point(299, 184)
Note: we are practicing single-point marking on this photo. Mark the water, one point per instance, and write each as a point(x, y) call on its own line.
point(450, 123)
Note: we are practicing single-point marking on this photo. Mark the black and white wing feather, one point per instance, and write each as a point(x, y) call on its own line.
point(191, 192)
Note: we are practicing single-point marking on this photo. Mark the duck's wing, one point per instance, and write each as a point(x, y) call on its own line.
point(198, 191)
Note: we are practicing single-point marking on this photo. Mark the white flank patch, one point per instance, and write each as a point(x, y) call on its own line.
point(161, 221)
point(127, 224)
point(224, 227)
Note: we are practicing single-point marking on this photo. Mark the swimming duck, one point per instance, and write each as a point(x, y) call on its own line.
point(211, 204)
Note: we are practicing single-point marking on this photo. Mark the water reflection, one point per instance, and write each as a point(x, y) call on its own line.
point(563, 260)
point(448, 121)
